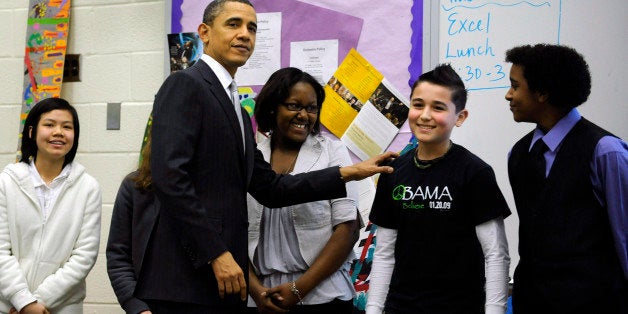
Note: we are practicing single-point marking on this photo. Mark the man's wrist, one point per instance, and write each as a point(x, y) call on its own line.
point(345, 173)
point(217, 257)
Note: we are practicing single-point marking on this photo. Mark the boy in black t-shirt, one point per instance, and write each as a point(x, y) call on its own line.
point(439, 216)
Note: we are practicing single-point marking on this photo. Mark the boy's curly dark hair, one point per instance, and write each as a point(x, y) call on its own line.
point(558, 71)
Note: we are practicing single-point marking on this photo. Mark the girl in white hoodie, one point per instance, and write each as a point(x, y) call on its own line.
point(49, 217)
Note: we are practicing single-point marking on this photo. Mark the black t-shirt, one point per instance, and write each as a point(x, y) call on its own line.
point(439, 263)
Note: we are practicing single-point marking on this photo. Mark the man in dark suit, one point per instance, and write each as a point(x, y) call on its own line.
point(204, 162)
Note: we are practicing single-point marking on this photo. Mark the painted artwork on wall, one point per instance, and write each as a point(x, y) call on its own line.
point(47, 29)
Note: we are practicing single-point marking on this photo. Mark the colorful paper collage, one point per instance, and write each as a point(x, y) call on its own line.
point(46, 40)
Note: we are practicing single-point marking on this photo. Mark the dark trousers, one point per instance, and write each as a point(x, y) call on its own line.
point(168, 307)
point(334, 307)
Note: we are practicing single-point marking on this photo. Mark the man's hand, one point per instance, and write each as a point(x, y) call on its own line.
point(368, 167)
point(229, 276)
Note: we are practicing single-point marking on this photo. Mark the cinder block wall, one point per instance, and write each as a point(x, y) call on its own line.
point(121, 43)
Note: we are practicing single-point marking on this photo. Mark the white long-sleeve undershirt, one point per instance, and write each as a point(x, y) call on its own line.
point(492, 238)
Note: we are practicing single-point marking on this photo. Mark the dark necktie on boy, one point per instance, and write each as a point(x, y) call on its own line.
point(538, 159)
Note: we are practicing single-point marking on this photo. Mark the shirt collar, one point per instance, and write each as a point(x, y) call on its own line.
point(38, 181)
point(555, 136)
point(223, 75)
point(35, 177)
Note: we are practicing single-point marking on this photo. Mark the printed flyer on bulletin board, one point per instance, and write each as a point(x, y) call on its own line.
point(362, 108)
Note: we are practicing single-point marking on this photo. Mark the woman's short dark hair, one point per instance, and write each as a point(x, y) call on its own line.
point(29, 143)
point(277, 90)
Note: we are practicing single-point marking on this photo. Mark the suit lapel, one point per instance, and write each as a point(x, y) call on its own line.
point(249, 138)
point(224, 100)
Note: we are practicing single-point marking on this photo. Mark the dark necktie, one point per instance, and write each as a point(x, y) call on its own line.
point(538, 159)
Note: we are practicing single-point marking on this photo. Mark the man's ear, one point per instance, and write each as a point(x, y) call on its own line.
point(203, 33)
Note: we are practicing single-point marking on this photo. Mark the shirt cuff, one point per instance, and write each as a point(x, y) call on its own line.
point(22, 298)
point(135, 305)
point(494, 309)
point(374, 309)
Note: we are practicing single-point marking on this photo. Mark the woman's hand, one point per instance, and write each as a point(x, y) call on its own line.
point(283, 295)
point(266, 303)
point(33, 308)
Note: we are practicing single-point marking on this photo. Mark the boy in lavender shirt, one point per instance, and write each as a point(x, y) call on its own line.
point(572, 212)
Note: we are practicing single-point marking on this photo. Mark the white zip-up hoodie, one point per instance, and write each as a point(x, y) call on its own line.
point(47, 259)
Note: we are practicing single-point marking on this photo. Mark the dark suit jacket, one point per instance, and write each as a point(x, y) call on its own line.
point(201, 174)
point(134, 215)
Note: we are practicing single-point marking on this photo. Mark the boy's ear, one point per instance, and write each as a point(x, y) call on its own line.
point(541, 97)
point(462, 115)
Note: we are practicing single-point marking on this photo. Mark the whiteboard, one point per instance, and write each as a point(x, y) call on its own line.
point(473, 35)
